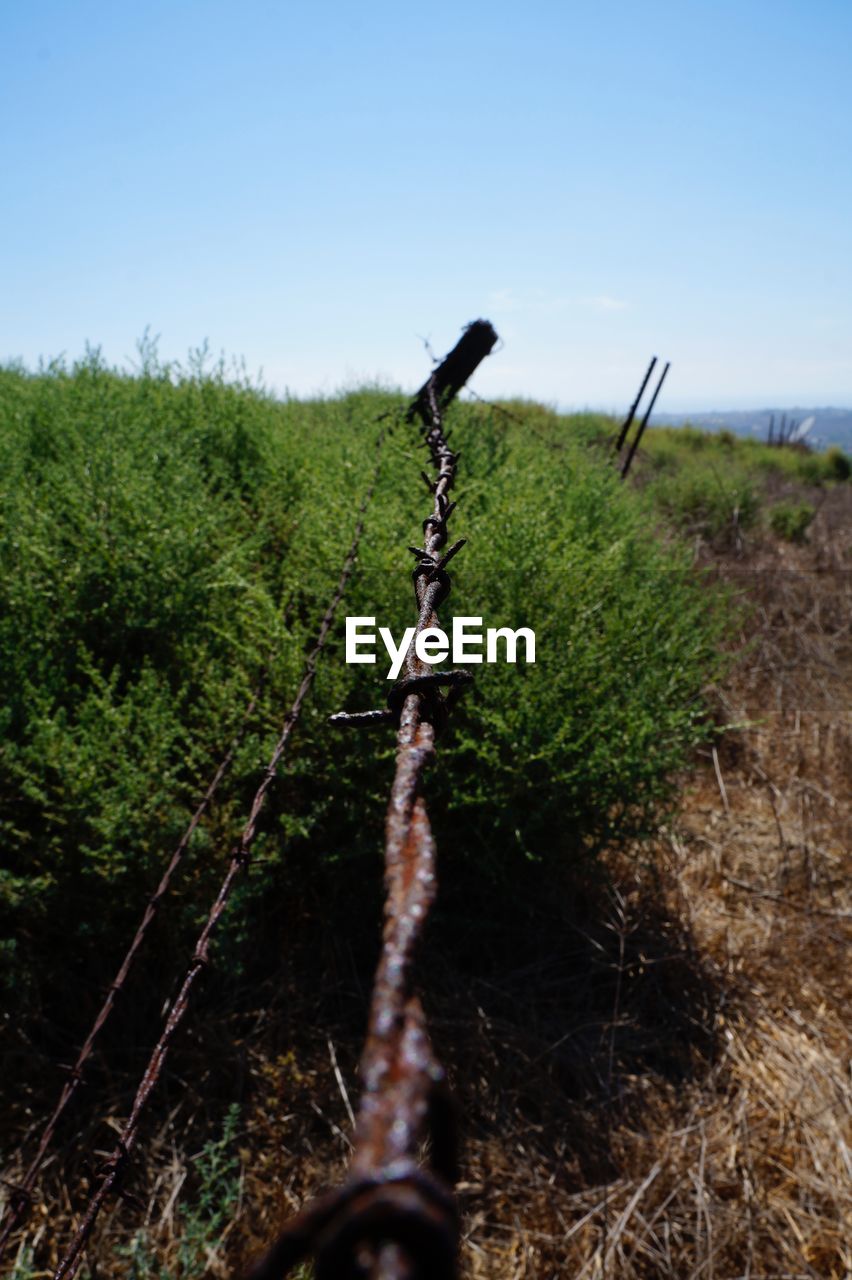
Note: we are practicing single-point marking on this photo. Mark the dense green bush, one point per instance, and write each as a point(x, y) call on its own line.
point(716, 502)
point(145, 526)
point(676, 448)
point(165, 537)
point(790, 520)
point(838, 464)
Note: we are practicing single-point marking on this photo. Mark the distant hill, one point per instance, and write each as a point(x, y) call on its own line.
point(828, 426)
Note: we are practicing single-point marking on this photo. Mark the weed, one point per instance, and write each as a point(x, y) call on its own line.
point(24, 1267)
point(837, 463)
point(202, 1222)
point(790, 520)
point(701, 499)
point(164, 537)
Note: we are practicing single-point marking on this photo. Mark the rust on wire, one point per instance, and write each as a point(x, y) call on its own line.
point(116, 1163)
point(394, 1219)
point(477, 341)
point(21, 1199)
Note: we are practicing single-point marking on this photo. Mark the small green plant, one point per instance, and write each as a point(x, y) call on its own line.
point(203, 1222)
point(790, 520)
point(141, 1263)
point(699, 499)
point(24, 1267)
point(218, 1172)
point(838, 465)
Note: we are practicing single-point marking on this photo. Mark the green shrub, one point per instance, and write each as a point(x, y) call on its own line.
point(687, 448)
point(700, 499)
point(790, 520)
point(206, 1211)
point(145, 526)
point(546, 760)
point(165, 537)
point(838, 464)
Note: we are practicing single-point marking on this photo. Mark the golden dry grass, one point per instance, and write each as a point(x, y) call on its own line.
point(744, 1168)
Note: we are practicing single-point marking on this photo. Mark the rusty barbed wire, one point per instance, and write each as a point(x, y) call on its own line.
point(618, 443)
point(393, 1219)
point(115, 1165)
point(20, 1199)
point(529, 425)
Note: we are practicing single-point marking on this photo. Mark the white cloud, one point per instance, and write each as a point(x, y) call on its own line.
point(603, 302)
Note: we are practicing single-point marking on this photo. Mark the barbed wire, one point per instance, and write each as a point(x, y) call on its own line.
point(617, 442)
point(115, 1165)
point(394, 1219)
point(20, 1199)
point(528, 424)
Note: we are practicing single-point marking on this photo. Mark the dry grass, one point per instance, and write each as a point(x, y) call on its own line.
point(653, 1071)
point(658, 1084)
point(744, 1167)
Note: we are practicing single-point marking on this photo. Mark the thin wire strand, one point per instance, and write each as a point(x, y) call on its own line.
point(21, 1197)
point(117, 1161)
point(394, 1219)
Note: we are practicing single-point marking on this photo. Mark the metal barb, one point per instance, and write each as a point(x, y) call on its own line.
point(392, 1219)
point(447, 557)
point(18, 1208)
point(361, 719)
point(117, 1161)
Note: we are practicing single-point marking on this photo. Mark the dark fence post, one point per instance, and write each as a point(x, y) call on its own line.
point(643, 424)
point(622, 435)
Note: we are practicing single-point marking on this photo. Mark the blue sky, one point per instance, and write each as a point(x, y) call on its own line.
point(316, 187)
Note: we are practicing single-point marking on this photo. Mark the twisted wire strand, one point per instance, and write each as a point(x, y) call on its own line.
point(21, 1196)
point(616, 444)
point(393, 1219)
point(116, 1163)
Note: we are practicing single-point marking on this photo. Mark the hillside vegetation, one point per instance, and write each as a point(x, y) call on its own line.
point(168, 539)
point(168, 544)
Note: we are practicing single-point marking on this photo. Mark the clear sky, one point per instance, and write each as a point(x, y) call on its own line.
point(317, 186)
